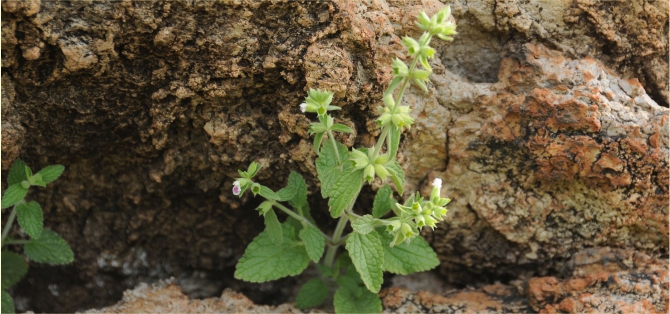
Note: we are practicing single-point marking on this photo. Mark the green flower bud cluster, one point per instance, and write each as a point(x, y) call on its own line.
point(318, 101)
point(242, 184)
point(389, 117)
point(439, 25)
point(417, 213)
point(365, 159)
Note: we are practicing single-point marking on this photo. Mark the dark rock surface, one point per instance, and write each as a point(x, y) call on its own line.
point(153, 106)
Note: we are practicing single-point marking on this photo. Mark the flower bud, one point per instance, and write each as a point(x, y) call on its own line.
point(369, 173)
point(255, 188)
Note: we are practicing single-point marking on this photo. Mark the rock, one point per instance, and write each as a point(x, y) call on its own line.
point(165, 297)
point(153, 106)
point(555, 157)
point(602, 280)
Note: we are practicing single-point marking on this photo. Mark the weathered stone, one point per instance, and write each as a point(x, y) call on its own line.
point(601, 280)
point(153, 106)
point(554, 158)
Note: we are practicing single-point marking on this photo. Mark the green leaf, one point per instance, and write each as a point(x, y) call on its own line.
point(17, 173)
point(29, 172)
point(299, 199)
point(364, 224)
point(273, 227)
point(49, 248)
point(7, 303)
point(393, 141)
point(359, 300)
point(14, 194)
point(315, 243)
point(328, 168)
point(295, 192)
point(264, 261)
point(341, 128)
point(268, 194)
point(345, 190)
point(291, 188)
point(404, 259)
point(311, 294)
point(397, 175)
point(14, 267)
point(30, 218)
point(383, 202)
point(367, 256)
point(318, 139)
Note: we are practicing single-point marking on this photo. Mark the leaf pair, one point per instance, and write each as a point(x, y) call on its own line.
point(265, 259)
point(372, 254)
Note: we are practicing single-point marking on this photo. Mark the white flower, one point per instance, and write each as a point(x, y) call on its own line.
point(236, 188)
point(303, 107)
point(437, 183)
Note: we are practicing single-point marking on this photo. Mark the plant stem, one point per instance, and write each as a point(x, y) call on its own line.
point(334, 143)
point(380, 141)
point(8, 226)
point(404, 85)
point(385, 129)
point(15, 242)
point(330, 254)
point(299, 218)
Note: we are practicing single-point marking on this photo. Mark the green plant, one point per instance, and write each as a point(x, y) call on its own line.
point(43, 246)
point(376, 244)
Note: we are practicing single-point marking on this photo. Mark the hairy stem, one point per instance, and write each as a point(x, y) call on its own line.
point(8, 226)
point(15, 242)
point(299, 218)
point(404, 85)
point(332, 249)
point(334, 143)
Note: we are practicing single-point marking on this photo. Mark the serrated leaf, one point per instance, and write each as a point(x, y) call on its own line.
point(359, 300)
point(7, 303)
point(264, 261)
point(17, 173)
point(311, 294)
point(14, 267)
point(383, 202)
point(13, 195)
point(315, 243)
point(291, 188)
point(268, 194)
point(299, 199)
point(341, 128)
point(273, 227)
point(404, 259)
point(397, 175)
point(328, 168)
point(51, 173)
point(364, 224)
point(367, 255)
point(345, 190)
point(49, 248)
point(30, 218)
point(393, 141)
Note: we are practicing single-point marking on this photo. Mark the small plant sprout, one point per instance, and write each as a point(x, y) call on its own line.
point(42, 245)
point(380, 241)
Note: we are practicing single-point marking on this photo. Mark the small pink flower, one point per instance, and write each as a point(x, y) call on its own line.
point(437, 183)
point(236, 188)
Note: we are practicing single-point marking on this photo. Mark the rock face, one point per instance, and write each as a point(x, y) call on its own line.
point(595, 280)
point(153, 106)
